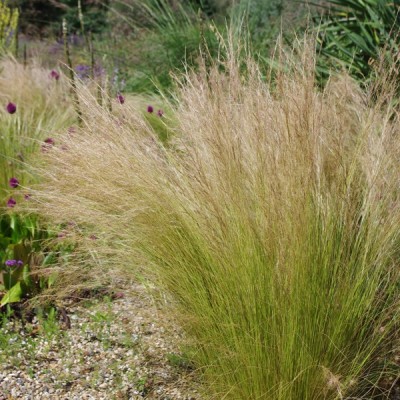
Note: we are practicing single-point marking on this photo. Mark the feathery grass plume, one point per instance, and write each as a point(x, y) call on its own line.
point(272, 219)
point(40, 110)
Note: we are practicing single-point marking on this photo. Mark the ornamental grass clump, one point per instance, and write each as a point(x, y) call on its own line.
point(35, 107)
point(271, 218)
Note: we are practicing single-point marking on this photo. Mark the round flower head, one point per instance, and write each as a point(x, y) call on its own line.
point(83, 71)
point(11, 202)
point(14, 263)
point(11, 108)
point(55, 75)
point(150, 109)
point(120, 99)
point(13, 182)
point(160, 113)
point(48, 143)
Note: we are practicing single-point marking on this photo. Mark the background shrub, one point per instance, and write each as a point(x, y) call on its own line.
point(354, 34)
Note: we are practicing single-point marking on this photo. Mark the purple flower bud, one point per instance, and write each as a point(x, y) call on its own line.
point(13, 182)
point(48, 143)
point(14, 263)
point(160, 113)
point(83, 71)
point(27, 196)
point(150, 109)
point(11, 108)
point(55, 75)
point(11, 202)
point(120, 99)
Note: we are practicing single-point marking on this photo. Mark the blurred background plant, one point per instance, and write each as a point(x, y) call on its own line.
point(164, 36)
point(8, 27)
point(23, 258)
point(355, 34)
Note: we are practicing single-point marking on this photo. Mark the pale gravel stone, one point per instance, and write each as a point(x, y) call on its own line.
point(92, 361)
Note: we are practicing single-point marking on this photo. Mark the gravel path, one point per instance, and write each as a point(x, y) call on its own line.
point(120, 349)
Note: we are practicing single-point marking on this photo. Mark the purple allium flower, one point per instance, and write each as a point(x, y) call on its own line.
point(14, 263)
point(11, 202)
point(120, 98)
point(160, 113)
point(11, 263)
point(11, 108)
point(82, 71)
point(27, 196)
point(13, 182)
point(54, 74)
point(48, 143)
point(150, 109)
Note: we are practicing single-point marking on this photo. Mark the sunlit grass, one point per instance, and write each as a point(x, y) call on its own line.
point(42, 111)
point(271, 218)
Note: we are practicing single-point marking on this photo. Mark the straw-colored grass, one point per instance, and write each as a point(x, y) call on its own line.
point(43, 109)
point(272, 218)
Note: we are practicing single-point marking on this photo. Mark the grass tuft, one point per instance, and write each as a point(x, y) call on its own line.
point(42, 110)
point(271, 217)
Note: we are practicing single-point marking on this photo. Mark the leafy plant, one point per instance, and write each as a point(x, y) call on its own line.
point(43, 17)
point(164, 39)
point(21, 243)
point(354, 33)
point(8, 26)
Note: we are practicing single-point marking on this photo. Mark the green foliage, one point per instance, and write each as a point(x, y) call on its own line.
point(43, 17)
point(8, 26)
point(165, 40)
point(354, 33)
point(21, 242)
point(94, 13)
point(261, 19)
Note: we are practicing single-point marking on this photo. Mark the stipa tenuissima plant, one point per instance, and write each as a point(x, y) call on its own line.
point(272, 219)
